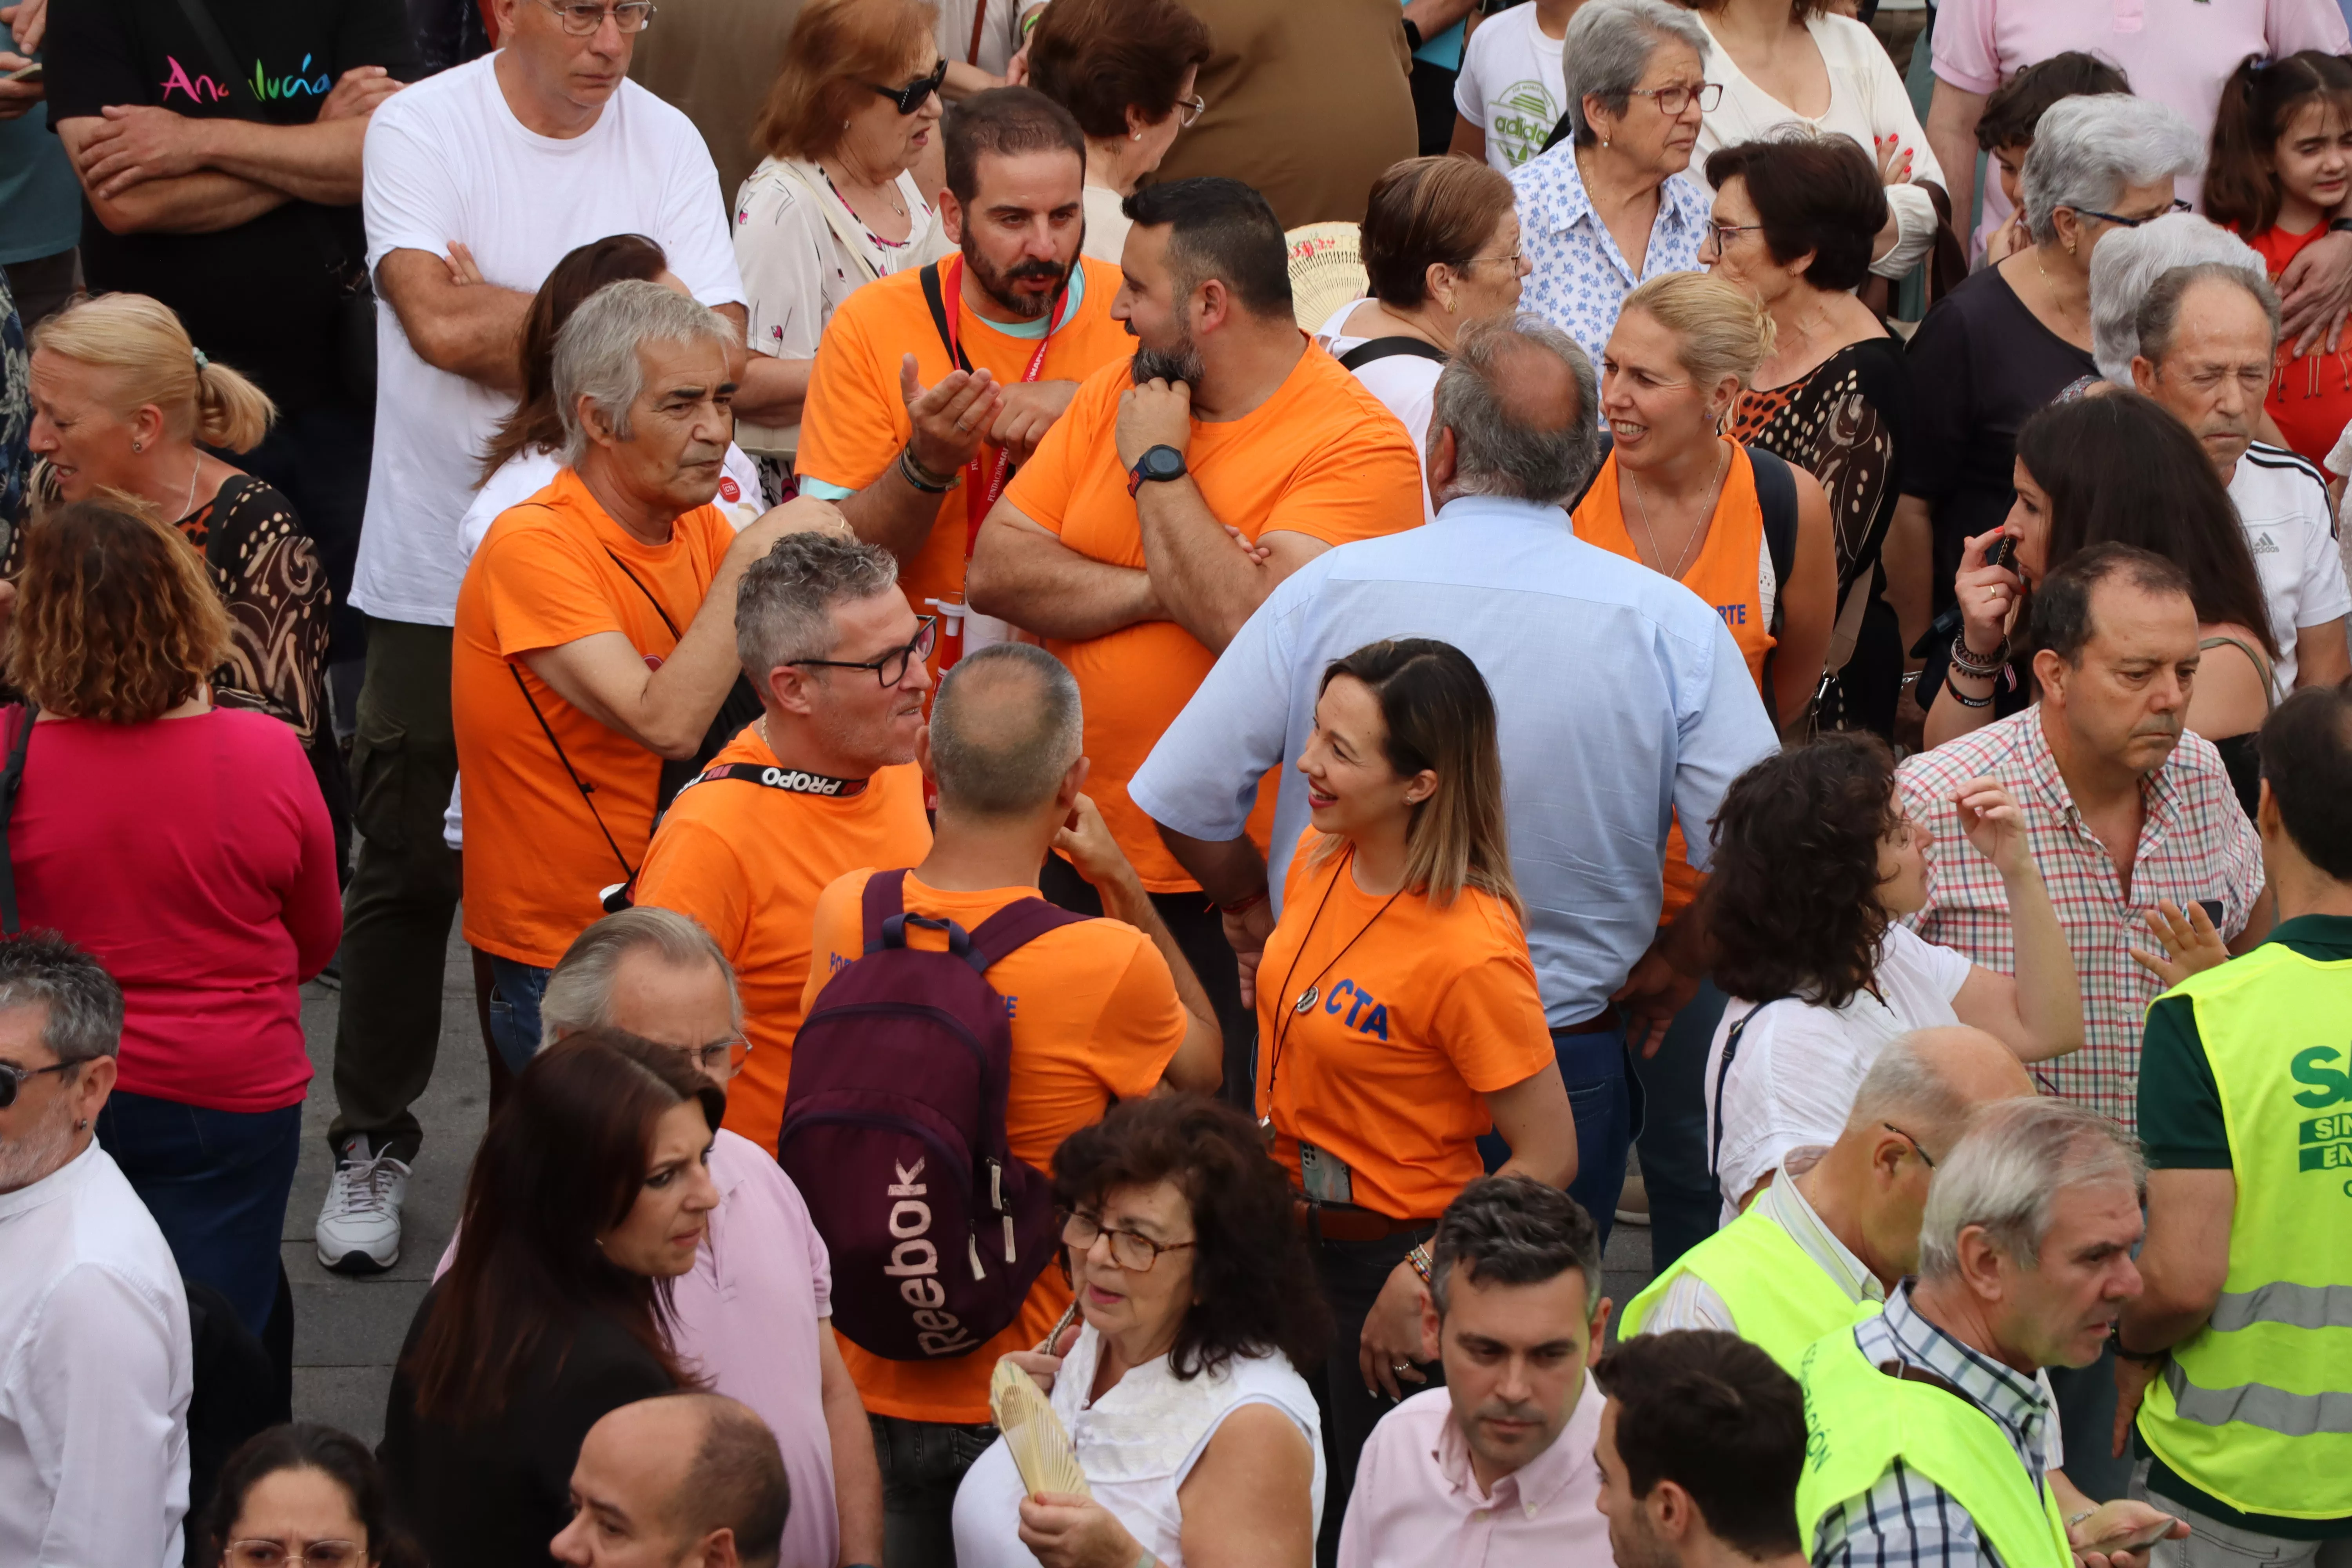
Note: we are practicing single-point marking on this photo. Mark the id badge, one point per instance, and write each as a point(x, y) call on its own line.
point(1324, 1175)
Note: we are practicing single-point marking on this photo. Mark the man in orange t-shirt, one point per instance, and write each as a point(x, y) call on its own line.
point(914, 440)
point(1102, 1010)
point(1113, 543)
point(823, 784)
point(592, 636)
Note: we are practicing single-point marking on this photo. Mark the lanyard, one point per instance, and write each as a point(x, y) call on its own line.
point(983, 486)
point(1309, 997)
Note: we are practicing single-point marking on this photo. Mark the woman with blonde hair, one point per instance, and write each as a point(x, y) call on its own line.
point(123, 408)
point(184, 846)
point(1750, 534)
point(832, 206)
point(1398, 1015)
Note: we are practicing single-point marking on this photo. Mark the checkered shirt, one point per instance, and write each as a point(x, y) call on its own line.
point(1905, 1520)
point(2195, 843)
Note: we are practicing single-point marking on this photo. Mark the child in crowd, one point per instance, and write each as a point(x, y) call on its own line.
point(2006, 128)
point(1510, 92)
point(2282, 160)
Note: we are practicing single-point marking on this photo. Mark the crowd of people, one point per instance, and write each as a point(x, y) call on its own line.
point(1117, 693)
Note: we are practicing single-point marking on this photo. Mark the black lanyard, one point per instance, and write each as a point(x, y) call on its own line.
point(1306, 998)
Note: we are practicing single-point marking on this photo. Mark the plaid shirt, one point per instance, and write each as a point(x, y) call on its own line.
point(1905, 1520)
point(2195, 843)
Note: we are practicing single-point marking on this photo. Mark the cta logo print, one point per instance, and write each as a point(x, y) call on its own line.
point(2325, 1141)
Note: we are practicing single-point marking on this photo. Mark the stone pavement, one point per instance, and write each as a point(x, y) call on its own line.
point(348, 1332)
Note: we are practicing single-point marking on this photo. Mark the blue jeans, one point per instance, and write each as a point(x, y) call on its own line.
point(1684, 1206)
point(1605, 1101)
point(217, 1183)
point(515, 993)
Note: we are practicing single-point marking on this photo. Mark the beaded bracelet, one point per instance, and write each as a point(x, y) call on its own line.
point(1421, 1260)
point(1967, 663)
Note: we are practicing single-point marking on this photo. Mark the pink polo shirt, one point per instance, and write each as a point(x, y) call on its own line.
point(2176, 52)
point(1417, 1504)
point(748, 1320)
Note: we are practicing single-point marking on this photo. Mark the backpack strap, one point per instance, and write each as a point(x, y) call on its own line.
point(1776, 497)
point(12, 779)
point(1372, 349)
point(1722, 1073)
point(1013, 928)
point(885, 902)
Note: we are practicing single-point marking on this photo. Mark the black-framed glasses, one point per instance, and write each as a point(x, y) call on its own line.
point(581, 19)
point(1916, 1147)
point(1725, 233)
point(1672, 100)
point(891, 667)
point(1130, 1250)
point(12, 1078)
point(1191, 109)
point(2178, 204)
point(276, 1554)
point(910, 97)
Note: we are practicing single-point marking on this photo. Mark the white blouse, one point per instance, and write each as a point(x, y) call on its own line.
point(1867, 99)
point(1136, 1444)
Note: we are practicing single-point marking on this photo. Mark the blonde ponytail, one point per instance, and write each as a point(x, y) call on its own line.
point(143, 343)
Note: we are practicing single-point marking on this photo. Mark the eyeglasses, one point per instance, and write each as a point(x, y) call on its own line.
point(1672, 100)
point(1192, 107)
point(720, 1057)
point(1725, 233)
point(1129, 1249)
point(910, 97)
point(12, 1078)
point(1513, 257)
point(891, 667)
point(2177, 205)
point(581, 19)
point(271, 1554)
point(1916, 1147)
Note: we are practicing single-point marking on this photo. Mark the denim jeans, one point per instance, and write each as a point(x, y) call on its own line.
point(1606, 1101)
point(2213, 1545)
point(1684, 1206)
point(217, 1183)
point(515, 993)
point(922, 1463)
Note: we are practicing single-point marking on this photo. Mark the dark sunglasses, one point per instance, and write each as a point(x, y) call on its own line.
point(910, 97)
point(12, 1078)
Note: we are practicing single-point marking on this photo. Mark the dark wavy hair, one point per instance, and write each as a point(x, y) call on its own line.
point(564, 1160)
point(307, 1445)
point(1821, 193)
point(1252, 1279)
point(535, 424)
point(1795, 875)
point(2259, 101)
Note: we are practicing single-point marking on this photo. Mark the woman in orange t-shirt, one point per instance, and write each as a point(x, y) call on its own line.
point(1398, 1015)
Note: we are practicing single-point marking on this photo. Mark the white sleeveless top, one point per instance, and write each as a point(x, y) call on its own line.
point(1136, 1444)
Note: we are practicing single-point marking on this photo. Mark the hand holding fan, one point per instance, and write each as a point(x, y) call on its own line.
point(1041, 1450)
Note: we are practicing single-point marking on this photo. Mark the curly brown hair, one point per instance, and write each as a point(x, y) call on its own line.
point(1254, 1280)
point(116, 618)
point(1795, 875)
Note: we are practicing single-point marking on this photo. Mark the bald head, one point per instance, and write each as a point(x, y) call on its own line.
point(1931, 1083)
point(685, 1478)
point(1005, 729)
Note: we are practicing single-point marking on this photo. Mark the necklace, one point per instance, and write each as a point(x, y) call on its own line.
point(189, 503)
point(1308, 998)
point(2055, 303)
point(1722, 469)
point(886, 189)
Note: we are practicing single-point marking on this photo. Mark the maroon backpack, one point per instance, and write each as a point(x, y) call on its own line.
point(894, 1134)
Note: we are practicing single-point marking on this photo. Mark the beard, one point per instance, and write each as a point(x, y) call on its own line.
point(998, 284)
point(1180, 361)
point(41, 1150)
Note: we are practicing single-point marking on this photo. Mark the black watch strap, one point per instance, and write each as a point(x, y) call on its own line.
point(1413, 39)
point(2338, 224)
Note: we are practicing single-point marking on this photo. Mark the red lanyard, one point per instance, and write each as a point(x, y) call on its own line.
point(981, 493)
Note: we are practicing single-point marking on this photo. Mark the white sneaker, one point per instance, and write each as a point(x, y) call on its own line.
point(359, 1225)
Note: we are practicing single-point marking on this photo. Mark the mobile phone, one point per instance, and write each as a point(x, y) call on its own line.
point(2004, 554)
point(2137, 1540)
point(2212, 907)
point(32, 73)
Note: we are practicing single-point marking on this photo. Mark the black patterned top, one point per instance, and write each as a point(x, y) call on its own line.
point(274, 589)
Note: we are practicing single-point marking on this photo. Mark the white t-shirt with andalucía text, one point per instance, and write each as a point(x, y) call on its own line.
point(1511, 86)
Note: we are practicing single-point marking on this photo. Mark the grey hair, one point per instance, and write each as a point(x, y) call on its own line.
point(2126, 266)
point(1009, 757)
point(1608, 48)
point(2160, 311)
point(580, 988)
point(1514, 1230)
point(2006, 1174)
point(1496, 453)
point(42, 969)
point(1907, 1084)
point(2086, 149)
point(596, 351)
point(783, 611)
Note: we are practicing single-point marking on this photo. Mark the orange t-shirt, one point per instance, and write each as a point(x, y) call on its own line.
point(1417, 1012)
point(856, 424)
point(1095, 1018)
point(546, 574)
point(1729, 575)
point(1322, 458)
point(748, 862)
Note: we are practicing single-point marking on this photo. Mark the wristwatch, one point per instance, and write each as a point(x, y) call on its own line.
point(2145, 1358)
point(2338, 224)
point(1413, 39)
point(1157, 463)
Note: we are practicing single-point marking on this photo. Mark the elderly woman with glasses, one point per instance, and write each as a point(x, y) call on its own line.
point(1179, 1385)
point(1128, 71)
point(2003, 344)
point(832, 206)
point(1609, 206)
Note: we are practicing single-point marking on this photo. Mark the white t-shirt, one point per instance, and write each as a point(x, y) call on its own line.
point(1405, 383)
point(1136, 1444)
point(1867, 99)
point(1793, 1078)
point(1511, 86)
point(446, 160)
point(2282, 503)
point(1107, 223)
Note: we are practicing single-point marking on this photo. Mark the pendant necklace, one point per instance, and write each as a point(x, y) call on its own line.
point(1309, 997)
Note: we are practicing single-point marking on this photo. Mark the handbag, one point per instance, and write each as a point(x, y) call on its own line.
point(12, 779)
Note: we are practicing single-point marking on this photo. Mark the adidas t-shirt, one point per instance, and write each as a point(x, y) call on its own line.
point(1511, 86)
point(2282, 503)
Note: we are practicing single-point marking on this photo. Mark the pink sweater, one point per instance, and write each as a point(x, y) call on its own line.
point(193, 859)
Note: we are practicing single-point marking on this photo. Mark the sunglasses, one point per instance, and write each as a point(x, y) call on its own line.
point(12, 1078)
point(910, 97)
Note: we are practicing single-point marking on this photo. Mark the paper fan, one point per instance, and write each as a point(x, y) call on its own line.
point(1327, 270)
point(1041, 1450)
